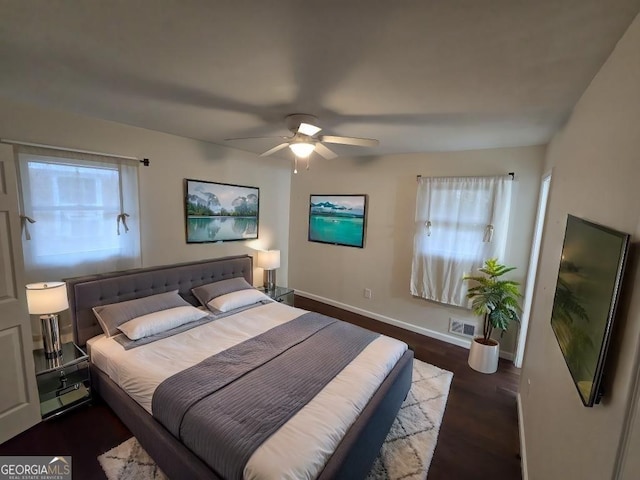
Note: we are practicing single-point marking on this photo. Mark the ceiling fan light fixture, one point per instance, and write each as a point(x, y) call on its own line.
point(302, 149)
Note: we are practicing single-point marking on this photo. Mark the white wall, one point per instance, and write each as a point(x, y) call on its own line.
point(596, 169)
point(173, 159)
point(339, 274)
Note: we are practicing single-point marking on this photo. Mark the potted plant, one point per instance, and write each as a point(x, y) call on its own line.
point(496, 300)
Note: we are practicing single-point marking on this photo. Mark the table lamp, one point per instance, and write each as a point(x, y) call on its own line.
point(269, 260)
point(47, 299)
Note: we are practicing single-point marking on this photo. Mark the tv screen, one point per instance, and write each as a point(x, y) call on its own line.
point(337, 219)
point(591, 269)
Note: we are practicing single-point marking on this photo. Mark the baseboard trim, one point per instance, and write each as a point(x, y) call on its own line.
point(523, 449)
point(461, 342)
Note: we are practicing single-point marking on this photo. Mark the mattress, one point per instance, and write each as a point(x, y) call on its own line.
point(302, 446)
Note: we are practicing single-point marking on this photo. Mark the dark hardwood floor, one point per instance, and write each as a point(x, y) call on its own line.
point(83, 433)
point(478, 438)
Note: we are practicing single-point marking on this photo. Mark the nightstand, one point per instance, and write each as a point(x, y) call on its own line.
point(280, 294)
point(63, 382)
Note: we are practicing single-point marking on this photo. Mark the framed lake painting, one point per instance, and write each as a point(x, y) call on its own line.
point(337, 219)
point(220, 212)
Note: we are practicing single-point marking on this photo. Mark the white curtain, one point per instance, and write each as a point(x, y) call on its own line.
point(80, 213)
point(460, 222)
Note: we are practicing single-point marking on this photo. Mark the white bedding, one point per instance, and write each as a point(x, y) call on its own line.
point(302, 446)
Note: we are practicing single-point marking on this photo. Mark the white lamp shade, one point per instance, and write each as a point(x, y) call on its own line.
point(302, 149)
point(269, 260)
point(47, 297)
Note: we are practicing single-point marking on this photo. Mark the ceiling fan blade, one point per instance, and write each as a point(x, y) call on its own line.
point(360, 142)
point(252, 138)
point(308, 129)
point(324, 151)
point(275, 149)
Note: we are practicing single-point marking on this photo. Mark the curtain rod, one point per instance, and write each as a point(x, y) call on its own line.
point(144, 161)
point(511, 174)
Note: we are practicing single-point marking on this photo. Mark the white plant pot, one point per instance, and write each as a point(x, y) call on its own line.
point(484, 358)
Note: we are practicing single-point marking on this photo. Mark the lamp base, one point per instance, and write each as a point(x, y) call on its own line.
point(51, 336)
point(270, 280)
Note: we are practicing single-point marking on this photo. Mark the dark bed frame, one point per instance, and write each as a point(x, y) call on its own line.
point(354, 455)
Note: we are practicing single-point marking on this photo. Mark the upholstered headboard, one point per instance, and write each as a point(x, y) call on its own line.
point(90, 291)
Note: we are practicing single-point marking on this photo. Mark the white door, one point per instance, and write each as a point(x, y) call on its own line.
point(19, 403)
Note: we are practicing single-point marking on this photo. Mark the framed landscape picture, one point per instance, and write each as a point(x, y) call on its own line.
point(220, 212)
point(337, 219)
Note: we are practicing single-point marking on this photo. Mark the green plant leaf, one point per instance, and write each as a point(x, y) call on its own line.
point(494, 298)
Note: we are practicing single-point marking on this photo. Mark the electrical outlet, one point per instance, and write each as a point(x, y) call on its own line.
point(368, 293)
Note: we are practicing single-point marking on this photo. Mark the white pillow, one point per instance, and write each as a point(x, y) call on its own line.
point(113, 315)
point(233, 300)
point(157, 322)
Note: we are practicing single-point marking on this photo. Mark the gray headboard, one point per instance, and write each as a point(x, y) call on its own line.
point(89, 291)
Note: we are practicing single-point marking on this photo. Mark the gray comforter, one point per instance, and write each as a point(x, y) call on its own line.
point(225, 407)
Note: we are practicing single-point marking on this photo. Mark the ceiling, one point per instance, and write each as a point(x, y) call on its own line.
point(423, 75)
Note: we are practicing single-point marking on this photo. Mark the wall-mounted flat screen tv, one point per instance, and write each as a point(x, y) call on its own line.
point(584, 306)
point(337, 219)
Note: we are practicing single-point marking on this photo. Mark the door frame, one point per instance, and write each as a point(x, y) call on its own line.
point(543, 201)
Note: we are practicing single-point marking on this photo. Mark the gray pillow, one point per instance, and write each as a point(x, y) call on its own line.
point(113, 315)
point(206, 293)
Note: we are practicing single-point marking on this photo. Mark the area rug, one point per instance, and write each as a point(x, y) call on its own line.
point(405, 455)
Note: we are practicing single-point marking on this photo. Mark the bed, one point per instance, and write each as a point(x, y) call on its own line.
point(349, 455)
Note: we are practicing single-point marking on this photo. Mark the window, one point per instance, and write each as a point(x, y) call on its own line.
point(79, 189)
point(460, 222)
point(84, 210)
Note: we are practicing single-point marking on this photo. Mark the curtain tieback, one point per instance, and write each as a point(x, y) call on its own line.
point(24, 221)
point(122, 218)
point(427, 225)
point(488, 234)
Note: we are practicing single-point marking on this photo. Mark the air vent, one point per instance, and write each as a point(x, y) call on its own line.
point(462, 327)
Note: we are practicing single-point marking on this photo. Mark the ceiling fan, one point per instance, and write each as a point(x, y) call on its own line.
point(305, 139)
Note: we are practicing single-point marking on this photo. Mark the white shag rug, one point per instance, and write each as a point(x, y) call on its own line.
point(405, 455)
